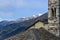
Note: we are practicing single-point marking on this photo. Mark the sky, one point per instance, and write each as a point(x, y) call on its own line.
point(14, 9)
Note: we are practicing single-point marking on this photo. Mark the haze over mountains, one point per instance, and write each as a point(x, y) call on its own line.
point(6, 22)
point(21, 24)
point(10, 28)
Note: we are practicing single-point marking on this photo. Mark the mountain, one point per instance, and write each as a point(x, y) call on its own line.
point(27, 18)
point(10, 28)
point(5, 22)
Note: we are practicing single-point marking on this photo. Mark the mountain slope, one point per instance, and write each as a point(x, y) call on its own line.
point(17, 27)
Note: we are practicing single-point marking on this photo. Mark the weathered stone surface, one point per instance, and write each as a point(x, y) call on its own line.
point(45, 35)
point(54, 16)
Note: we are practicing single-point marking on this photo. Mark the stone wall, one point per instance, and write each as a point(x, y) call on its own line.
point(54, 16)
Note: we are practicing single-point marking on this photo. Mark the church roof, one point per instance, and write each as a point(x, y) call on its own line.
point(43, 18)
point(46, 35)
point(40, 34)
point(36, 34)
point(15, 28)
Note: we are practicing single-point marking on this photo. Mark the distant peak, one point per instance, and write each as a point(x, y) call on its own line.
point(27, 18)
point(37, 15)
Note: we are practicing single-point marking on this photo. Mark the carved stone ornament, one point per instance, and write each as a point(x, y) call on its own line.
point(52, 1)
point(50, 18)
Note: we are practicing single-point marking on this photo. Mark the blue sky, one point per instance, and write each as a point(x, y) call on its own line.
point(14, 9)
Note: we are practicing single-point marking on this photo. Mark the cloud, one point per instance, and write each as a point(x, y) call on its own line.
point(1, 19)
point(9, 7)
point(22, 3)
point(19, 3)
point(4, 3)
point(13, 3)
point(37, 4)
point(7, 14)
